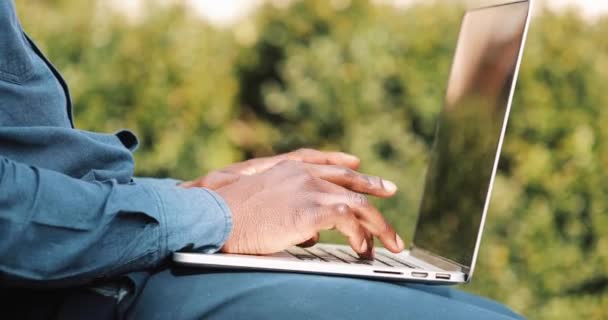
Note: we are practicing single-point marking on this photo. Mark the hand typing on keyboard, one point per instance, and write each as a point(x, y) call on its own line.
point(289, 202)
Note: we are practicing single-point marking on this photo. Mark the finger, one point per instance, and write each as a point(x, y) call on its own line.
point(214, 180)
point(353, 180)
point(258, 165)
point(324, 157)
point(253, 166)
point(375, 222)
point(310, 242)
point(342, 218)
point(219, 179)
point(370, 218)
point(369, 254)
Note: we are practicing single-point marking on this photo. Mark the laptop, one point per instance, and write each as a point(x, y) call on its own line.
point(460, 174)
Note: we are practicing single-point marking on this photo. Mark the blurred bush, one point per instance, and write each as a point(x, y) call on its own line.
point(368, 79)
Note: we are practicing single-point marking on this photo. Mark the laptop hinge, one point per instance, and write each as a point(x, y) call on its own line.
point(438, 261)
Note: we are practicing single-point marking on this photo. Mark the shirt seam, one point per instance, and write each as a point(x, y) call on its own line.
point(14, 78)
point(163, 236)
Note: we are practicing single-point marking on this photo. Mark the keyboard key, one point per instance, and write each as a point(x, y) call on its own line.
point(398, 260)
point(324, 255)
point(345, 255)
point(301, 254)
point(354, 258)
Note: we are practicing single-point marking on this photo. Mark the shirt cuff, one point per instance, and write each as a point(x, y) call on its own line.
point(191, 217)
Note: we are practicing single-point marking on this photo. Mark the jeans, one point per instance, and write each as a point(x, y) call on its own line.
point(183, 293)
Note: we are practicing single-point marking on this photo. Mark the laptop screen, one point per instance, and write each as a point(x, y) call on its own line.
point(468, 133)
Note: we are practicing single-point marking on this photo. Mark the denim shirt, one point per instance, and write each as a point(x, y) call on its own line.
point(70, 209)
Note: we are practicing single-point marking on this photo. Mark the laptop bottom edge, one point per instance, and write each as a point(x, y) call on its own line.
point(328, 260)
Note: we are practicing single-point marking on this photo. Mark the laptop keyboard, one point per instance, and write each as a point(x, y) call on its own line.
point(347, 256)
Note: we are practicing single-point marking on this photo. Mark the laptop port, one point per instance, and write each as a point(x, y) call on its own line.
point(419, 274)
point(443, 276)
point(387, 272)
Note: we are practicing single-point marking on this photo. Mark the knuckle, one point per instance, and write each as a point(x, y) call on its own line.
point(346, 219)
point(341, 209)
point(359, 199)
point(306, 183)
point(310, 183)
point(351, 178)
point(307, 178)
point(349, 173)
point(366, 181)
point(374, 182)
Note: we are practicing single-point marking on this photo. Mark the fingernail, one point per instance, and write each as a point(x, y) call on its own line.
point(352, 158)
point(389, 186)
point(364, 246)
point(399, 242)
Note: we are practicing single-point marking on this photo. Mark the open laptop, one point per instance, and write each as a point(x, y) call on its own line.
point(460, 174)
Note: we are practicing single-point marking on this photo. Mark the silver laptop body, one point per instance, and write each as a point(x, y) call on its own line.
point(460, 175)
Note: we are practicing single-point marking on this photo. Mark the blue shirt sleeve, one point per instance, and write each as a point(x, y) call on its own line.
point(60, 231)
point(161, 182)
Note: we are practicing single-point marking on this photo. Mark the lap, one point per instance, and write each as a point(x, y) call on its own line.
point(200, 294)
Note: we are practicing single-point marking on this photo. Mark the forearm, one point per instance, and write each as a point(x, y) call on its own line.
point(58, 230)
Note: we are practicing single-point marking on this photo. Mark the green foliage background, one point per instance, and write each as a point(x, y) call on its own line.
point(368, 79)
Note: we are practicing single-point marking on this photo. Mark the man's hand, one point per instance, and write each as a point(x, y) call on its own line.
point(219, 178)
point(276, 206)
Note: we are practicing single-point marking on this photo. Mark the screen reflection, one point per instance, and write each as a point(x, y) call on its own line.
point(468, 131)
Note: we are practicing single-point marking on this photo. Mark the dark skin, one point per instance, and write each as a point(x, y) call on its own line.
point(281, 201)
